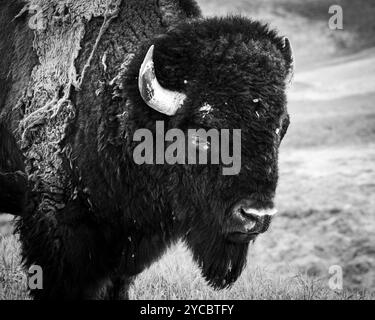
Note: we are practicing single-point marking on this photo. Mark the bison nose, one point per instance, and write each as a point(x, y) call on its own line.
point(253, 211)
point(249, 219)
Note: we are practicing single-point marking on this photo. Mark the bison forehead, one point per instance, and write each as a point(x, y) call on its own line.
point(217, 51)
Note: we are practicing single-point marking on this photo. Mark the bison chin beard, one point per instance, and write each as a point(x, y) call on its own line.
point(221, 261)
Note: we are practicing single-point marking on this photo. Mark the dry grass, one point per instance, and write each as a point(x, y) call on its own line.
point(176, 277)
point(12, 277)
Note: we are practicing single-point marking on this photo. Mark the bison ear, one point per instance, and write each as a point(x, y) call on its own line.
point(158, 98)
point(289, 56)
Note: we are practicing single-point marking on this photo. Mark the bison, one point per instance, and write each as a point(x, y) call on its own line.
point(93, 219)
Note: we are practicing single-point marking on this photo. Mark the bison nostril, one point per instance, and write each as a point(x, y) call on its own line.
point(247, 220)
point(251, 220)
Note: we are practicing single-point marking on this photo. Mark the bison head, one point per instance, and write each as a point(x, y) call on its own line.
point(218, 74)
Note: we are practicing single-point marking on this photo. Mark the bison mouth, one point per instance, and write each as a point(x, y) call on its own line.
point(248, 219)
point(221, 249)
point(242, 237)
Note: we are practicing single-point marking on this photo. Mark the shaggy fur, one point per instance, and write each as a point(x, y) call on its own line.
point(118, 217)
point(17, 61)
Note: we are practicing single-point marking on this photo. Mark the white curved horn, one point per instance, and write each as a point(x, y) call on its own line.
point(158, 98)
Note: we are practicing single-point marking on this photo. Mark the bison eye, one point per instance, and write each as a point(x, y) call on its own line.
point(260, 107)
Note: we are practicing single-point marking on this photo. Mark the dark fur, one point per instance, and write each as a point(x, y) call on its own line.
point(16, 63)
point(13, 182)
point(120, 217)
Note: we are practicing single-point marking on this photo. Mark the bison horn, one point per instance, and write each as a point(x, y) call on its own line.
point(288, 50)
point(158, 98)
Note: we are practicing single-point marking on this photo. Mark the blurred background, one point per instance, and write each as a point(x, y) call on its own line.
point(326, 195)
